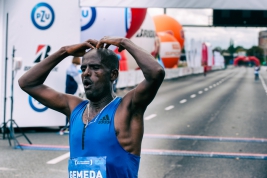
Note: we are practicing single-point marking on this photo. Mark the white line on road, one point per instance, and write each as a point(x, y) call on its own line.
point(58, 159)
point(214, 85)
point(263, 84)
point(210, 86)
point(6, 169)
point(169, 107)
point(183, 101)
point(150, 116)
point(200, 92)
point(193, 96)
point(206, 89)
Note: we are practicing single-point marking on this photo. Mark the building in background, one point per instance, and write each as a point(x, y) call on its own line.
point(263, 41)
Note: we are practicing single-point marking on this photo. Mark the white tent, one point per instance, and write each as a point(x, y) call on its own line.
point(197, 4)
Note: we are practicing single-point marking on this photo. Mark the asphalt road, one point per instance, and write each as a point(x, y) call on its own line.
point(226, 104)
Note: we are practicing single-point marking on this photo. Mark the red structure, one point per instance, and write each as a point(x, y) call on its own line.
point(123, 60)
point(247, 59)
point(205, 58)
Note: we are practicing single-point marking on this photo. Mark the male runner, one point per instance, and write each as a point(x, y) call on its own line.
point(104, 125)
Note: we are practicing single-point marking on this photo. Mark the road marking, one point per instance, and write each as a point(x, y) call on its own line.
point(57, 170)
point(193, 96)
point(210, 86)
point(206, 89)
point(263, 84)
point(150, 116)
point(6, 169)
point(169, 108)
point(204, 154)
point(206, 138)
point(183, 101)
point(200, 92)
point(58, 159)
point(214, 85)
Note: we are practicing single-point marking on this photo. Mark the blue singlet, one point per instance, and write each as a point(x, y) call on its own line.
point(100, 140)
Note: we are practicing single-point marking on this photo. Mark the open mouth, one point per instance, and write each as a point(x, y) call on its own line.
point(87, 84)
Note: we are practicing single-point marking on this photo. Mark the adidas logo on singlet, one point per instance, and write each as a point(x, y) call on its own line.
point(104, 120)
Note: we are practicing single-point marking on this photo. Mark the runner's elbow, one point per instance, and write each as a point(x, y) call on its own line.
point(159, 73)
point(22, 83)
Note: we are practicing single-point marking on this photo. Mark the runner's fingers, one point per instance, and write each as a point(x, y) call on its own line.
point(89, 45)
point(100, 44)
point(93, 42)
point(121, 48)
point(107, 45)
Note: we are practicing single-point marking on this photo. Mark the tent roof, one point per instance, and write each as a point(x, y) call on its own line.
point(195, 4)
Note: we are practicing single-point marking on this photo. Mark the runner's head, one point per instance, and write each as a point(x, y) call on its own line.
point(99, 70)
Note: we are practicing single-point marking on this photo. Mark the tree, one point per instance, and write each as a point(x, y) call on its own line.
point(257, 52)
point(231, 48)
point(240, 49)
point(218, 49)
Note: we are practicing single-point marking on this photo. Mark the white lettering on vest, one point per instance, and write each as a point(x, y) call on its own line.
point(85, 174)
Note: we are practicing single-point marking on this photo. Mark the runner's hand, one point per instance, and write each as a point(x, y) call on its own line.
point(78, 50)
point(116, 41)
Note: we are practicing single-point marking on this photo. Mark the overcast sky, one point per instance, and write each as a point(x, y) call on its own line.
point(217, 36)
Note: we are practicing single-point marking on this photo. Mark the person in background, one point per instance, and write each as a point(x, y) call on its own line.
point(205, 70)
point(73, 79)
point(256, 72)
point(116, 81)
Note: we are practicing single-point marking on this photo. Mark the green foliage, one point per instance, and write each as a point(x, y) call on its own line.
point(231, 48)
point(257, 52)
point(254, 50)
point(231, 51)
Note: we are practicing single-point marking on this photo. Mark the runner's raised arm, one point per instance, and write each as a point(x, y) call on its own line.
point(153, 72)
point(32, 81)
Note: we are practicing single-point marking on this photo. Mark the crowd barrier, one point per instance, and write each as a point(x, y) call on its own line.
point(133, 77)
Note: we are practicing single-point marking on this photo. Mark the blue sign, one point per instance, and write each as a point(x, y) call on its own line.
point(36, 105)
point(128, 18)
point(87, 167)
point(42, 16)
point(88, 16)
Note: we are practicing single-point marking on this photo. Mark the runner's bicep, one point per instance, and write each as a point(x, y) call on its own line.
point(145, 92)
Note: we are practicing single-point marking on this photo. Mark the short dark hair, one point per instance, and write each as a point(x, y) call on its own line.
point(109, 58)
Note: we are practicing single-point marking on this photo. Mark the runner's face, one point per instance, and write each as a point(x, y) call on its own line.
point(95, 76)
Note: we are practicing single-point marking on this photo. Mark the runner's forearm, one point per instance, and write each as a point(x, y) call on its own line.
point(38, 74)
point(147, 63)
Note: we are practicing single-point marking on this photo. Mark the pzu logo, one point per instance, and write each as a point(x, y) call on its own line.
point(42, 16)
point(88, 16)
